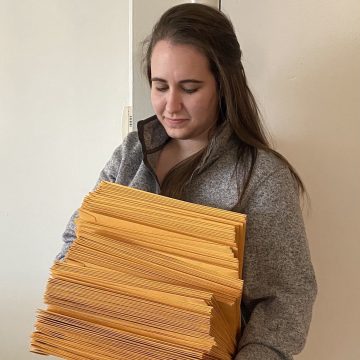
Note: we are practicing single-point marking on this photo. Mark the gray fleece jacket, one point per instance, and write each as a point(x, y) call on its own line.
point(279, 281)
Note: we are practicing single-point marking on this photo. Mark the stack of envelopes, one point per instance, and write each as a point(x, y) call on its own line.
point(148, 277)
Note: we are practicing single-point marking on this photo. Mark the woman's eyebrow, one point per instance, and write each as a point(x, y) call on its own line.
point(158, 79)
point(181, 82)
point(191, 81)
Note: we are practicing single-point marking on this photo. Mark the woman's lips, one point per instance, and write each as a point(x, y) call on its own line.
point(176, 121)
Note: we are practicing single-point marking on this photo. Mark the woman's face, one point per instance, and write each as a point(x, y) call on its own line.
point(183, 91)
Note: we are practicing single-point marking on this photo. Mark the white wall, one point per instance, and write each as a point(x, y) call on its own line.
point(302, 59)
point(63, 84)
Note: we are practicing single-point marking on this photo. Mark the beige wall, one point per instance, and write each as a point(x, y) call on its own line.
point(303, 62)
point(63, 85)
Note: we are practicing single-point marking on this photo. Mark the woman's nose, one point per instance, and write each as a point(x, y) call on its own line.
point(173, 102)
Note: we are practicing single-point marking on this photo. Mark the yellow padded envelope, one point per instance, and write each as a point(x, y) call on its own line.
point(147, 277)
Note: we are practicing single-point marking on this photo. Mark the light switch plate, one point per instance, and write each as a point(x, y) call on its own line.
point(127, 121)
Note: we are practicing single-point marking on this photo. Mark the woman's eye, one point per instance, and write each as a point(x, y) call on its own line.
point(162, 89)
point(190, 91)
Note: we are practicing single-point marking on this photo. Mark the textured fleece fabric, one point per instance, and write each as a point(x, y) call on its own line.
point(279, 282)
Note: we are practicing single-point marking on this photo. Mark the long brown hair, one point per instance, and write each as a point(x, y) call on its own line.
point(212, 33)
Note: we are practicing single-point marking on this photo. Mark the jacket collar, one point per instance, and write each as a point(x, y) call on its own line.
point(153, 138)
point(152, 135)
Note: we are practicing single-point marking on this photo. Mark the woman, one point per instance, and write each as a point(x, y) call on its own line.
point(206, 145)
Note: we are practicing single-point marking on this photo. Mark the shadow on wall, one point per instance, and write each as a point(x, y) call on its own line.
point(319, 132)
point(320, 119)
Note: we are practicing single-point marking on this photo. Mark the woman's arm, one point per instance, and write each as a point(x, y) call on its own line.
point(279, 280)
point(109, 173)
